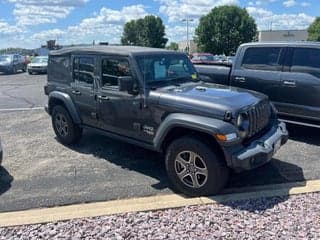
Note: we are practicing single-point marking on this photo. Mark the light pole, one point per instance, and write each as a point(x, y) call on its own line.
point(187, 20)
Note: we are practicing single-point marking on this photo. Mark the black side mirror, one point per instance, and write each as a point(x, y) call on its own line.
point(125, 84)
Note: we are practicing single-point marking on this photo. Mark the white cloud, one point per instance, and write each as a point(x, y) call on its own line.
point(305, 4)
point(48, 34)
point(179, 9)
point(265, 19)
point(289, 3)
point(34, 12)
point(106, 25)
point(7, 29)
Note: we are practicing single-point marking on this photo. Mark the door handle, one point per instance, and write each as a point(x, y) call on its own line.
point(240, 79)
point(103, 98)
point(76, 92)
point(289, 83)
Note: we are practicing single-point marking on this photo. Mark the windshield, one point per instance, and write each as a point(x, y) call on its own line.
point(5, 58)
point(166, 67)
point(39, 60)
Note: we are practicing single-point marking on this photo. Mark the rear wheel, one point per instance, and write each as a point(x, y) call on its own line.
point(66, 130)
point(194, 168)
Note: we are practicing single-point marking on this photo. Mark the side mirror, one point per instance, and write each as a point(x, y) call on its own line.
point(125, 84)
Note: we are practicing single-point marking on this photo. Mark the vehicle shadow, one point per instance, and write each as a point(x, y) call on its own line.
point(151, 164)
point(309, 135)
point(126, 156)
point(5, 180)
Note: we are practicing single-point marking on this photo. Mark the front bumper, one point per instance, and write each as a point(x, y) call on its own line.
point(260, 151)
point(37, 69)
point(5, 68)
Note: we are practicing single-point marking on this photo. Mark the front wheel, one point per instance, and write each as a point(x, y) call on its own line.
point(194, 168)
point(66, 130)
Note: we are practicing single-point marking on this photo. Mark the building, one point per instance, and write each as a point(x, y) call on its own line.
point(183, 46)
point(283, 35)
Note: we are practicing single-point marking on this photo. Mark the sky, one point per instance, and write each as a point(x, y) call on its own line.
point(29, 23)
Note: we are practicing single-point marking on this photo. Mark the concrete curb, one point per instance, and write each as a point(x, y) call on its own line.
point(36, 216)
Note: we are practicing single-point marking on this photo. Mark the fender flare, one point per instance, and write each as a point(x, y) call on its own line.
point(202, 124)
point(66, 99)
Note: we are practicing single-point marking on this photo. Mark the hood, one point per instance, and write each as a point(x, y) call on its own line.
point(208, 99)
point(37, 64)
point(4, 63)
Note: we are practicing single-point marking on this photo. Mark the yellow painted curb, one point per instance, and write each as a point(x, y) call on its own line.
point(54, 214)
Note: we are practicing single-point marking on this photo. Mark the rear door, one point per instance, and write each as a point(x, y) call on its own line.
point(300, 83)
point(84, 88)
point(259, 69)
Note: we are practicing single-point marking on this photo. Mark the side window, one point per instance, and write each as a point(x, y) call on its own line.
point(306, 60)
point(83, 69)
point(262, 58)
point(59, 68)
point(111, 69)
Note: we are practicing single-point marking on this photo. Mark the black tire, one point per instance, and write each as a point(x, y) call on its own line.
point(207, 161)
point(30, 72)
point(65, 129)
point(14, 70)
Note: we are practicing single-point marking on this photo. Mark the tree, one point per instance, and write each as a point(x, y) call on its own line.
point(314, 30)
point(173, 46)
point(148, 32)
point(224, 29)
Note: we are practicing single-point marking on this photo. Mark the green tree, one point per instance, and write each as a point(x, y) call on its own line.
point(224, 29)
point(314, 30)
point(173, 46)
point(148, 32)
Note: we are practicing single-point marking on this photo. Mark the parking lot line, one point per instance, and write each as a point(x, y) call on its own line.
point(36, 216)
point(21, 109)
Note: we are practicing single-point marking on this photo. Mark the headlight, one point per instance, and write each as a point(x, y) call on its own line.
point(273, 109)
point(243, 124)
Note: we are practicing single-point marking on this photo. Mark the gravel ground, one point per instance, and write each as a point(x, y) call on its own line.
point(273, 218)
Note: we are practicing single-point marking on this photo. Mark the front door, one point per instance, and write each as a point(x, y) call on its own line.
point(83, 88)
point(118, 111)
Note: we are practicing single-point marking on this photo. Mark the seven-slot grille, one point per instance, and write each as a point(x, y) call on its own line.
point(259, 117)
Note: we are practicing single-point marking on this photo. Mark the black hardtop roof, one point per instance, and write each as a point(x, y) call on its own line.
point(289, 44)
point(117, 50)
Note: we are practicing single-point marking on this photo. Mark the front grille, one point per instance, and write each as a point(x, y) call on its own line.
point(259, 117)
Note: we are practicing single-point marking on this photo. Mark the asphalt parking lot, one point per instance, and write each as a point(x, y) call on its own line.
point(39, 172)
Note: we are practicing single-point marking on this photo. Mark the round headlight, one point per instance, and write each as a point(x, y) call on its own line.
point(243, 124)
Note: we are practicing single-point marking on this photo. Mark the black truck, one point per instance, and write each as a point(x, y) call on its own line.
point(289, 73)
point(153, 98)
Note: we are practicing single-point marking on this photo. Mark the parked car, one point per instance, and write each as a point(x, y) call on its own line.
point(38, 65)
point(153, 98)
point(203, 58)
point(12, 63)
point(289, 73)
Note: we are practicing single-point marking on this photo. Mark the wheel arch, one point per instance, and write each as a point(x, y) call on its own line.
point(179, 125)
point(58, 98)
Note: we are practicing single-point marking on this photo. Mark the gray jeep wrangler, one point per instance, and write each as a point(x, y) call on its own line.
point(153, 98)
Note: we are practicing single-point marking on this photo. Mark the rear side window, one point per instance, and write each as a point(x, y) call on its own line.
point(306, 60)
point(58, 68)
point(113, 68)
point(262, 58)
point(83, 69)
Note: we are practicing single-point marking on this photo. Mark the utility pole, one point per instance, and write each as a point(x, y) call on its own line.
point(187, 20)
